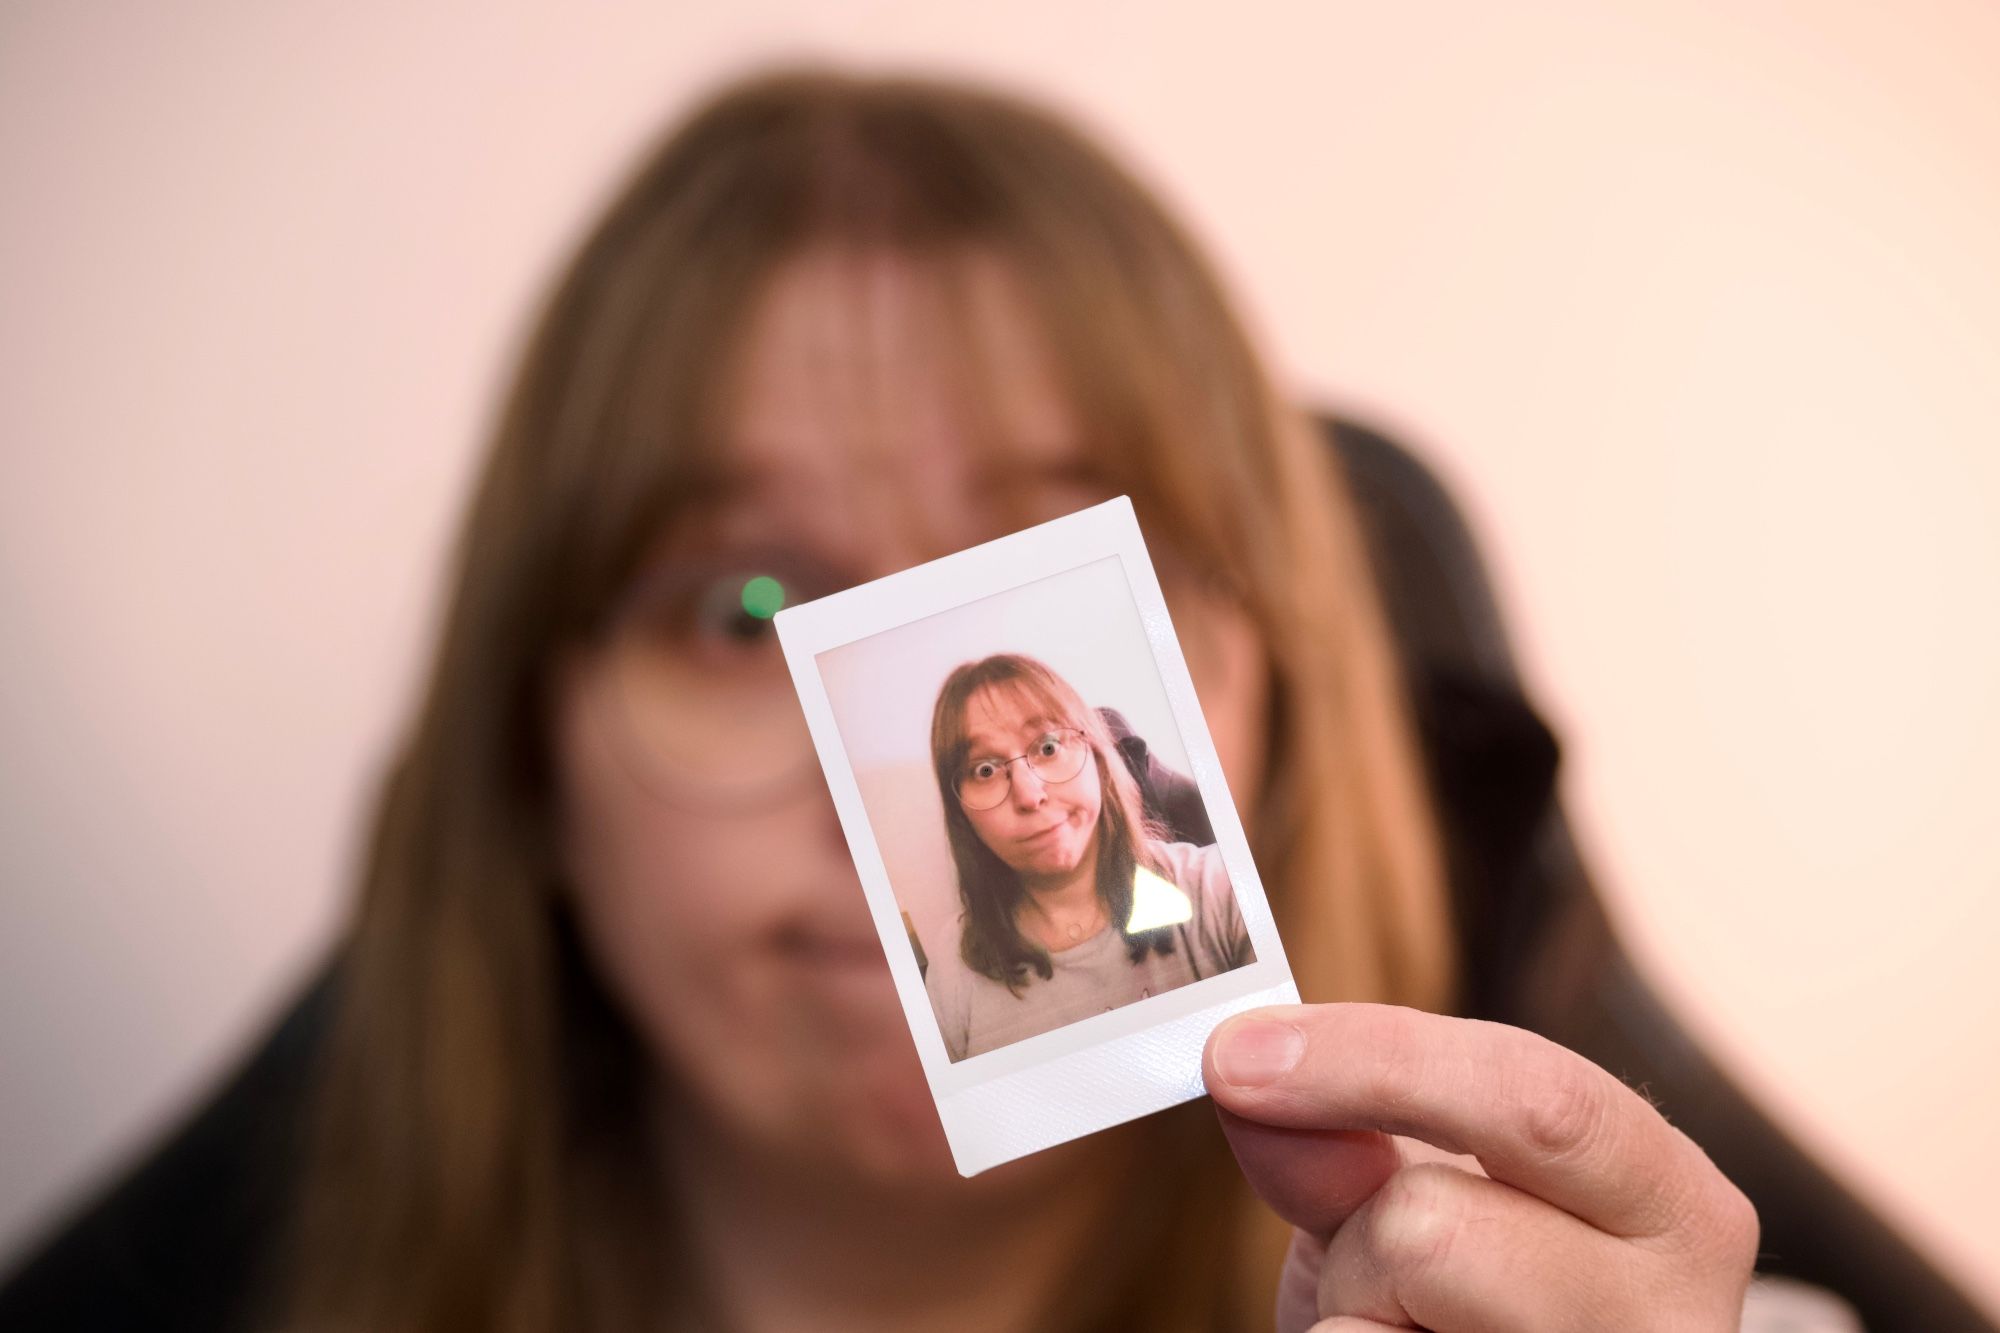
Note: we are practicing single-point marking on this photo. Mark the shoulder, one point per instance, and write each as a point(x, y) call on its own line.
point(1196, 871)
point(1209, 919)
point(945, 968)
point(1201, 879)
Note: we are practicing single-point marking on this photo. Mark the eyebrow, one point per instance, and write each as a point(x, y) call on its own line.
point(722, 491)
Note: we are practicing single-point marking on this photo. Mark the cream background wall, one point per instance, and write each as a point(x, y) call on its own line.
point(1696, 304)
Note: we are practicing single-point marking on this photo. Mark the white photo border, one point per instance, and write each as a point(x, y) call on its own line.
point(1111, 1067)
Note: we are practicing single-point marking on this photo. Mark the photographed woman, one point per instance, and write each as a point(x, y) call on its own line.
point(613, 1044)
point(1072, 903)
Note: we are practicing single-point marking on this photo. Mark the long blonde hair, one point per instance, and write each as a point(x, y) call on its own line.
point(479, 1086)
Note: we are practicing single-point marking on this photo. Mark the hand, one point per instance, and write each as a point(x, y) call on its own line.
point(1578, 1207)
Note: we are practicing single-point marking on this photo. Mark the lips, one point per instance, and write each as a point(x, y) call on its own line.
point(1043, 834)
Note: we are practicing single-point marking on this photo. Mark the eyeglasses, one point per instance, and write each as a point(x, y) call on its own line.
point(1057, 757)
point(698, 694)
point(698, 700)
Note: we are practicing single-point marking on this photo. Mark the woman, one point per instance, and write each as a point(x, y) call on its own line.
point(1050, 840)
point(616, 1047)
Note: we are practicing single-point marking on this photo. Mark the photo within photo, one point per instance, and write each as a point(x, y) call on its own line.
point(1045, 840)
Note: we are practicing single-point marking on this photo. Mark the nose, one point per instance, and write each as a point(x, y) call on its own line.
point(1026, 786)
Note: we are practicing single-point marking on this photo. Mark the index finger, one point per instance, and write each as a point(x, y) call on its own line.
point(1537, 1116)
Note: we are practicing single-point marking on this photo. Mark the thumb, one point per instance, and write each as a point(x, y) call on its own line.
point(1313, 1178)
point(1298, 1284)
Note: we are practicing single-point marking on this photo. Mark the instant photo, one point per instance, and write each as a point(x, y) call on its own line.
point(1041, 826)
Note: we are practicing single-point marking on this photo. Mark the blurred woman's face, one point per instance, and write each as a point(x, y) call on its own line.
point(1039, 828)
point(733, 930)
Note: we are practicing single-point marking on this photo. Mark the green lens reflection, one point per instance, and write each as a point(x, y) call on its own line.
point(763, 596)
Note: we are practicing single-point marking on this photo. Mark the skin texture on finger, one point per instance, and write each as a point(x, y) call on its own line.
point(1313, 1178)
point(1316, 1197)
point(1297, 1305)
point(1441, 1248)
point(1536, 1116)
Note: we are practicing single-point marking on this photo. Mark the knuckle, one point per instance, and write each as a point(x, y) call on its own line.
point(1413, 1220)
point(1697, 1208)
point(1732, 1224)
point(1714, 1258)
point(1710, 1223)
point(1566, 1112)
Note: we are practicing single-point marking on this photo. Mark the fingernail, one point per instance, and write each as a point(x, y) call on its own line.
point(1256, 1051)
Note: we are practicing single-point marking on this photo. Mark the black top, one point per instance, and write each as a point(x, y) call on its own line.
point(183, 1240)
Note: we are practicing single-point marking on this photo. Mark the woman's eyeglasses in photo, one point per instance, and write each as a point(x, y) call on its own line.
point(1055, 758)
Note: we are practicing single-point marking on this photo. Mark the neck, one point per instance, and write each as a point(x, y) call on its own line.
point(776, 1242)
point(1058, 911)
